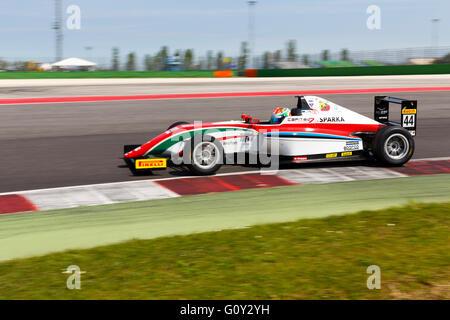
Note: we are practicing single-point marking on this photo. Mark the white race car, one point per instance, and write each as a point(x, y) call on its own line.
point(315, 130)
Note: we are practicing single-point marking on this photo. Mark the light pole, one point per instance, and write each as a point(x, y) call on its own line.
point(435, 33)
point(251, 31)
point(57, 26)
point(88, 49)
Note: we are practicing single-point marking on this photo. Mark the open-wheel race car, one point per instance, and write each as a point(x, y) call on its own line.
point(315, 130)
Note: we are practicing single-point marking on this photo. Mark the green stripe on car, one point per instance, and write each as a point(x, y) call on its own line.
point(185, 135)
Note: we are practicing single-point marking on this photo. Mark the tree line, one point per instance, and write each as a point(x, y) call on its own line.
point(217, 60)
point(158, 61)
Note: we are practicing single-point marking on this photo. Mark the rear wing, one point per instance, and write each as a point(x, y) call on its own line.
point(408, 112)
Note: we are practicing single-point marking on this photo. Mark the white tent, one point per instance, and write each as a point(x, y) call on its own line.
point(45, 66)
point(74, 63)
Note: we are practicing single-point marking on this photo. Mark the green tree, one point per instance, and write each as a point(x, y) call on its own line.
point(164, 51)
point(115, 59)
point(164, 54)
point(20, 65)
point(209, 59)
point(291, 50)
point(243, 57)
point(131, 61)
point(266, 60)
point(219, 60)
point(201, 64)
point(160, 58)
point(148, 62)
point(444, 59)
point(344, 55)
point(277, 56)
point(158, 62)
point(3, 64)
point(325, 55)
point(305, 59)
point(188, 59)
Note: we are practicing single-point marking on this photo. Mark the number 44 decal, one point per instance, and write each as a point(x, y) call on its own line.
point(409, 121)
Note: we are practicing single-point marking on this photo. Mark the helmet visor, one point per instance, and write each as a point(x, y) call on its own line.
point(276, 119)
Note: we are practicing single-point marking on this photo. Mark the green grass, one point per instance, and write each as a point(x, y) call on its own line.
point(344, 70)
point(373, 63)
point(28, 234)
point(106, 74)
point(358, 71)
point(335, 64)
point(308, 259)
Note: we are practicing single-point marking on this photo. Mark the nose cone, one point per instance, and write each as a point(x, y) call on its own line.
point(150, 147)
point(134, 153)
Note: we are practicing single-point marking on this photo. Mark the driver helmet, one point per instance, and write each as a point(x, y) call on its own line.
point(279, 114)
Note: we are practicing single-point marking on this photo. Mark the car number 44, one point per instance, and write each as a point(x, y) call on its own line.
point(408, 121)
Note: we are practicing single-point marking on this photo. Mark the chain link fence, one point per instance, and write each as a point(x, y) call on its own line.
point(415, 55)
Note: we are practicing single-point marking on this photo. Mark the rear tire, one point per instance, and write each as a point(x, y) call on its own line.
point(204, 155)
point(178, 123)
point(393, 146)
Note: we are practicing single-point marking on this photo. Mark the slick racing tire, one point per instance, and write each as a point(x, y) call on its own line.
point(203, 155)
point(176, 124)
point(393, 146)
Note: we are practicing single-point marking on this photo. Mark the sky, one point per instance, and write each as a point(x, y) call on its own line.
point(143, 26)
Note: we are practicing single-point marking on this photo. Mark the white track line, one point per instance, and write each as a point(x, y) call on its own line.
point(5, 83)
point(431, 159)
point(70, 197)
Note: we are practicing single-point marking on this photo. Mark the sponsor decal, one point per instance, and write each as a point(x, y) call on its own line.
point(351, 145)
point(300, 120)
point(234, 140)
point(151, 163)
point(346, 154)
point(299, 159)
point(324, 106)
point(229, 142)
point(314, 111)
point(332, 119)
point(331, 155)
point(409, 111)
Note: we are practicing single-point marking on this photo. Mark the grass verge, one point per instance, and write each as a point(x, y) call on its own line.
point(357, 71)
point(322, 258)
point(106, 74)
point(28, 234)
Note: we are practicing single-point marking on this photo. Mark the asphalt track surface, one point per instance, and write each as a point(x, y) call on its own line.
point(55, 145)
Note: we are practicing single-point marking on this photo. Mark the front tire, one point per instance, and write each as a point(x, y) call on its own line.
point(393, 146)
point(204, 155)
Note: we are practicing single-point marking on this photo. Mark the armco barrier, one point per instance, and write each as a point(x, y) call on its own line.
point(357, 71)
